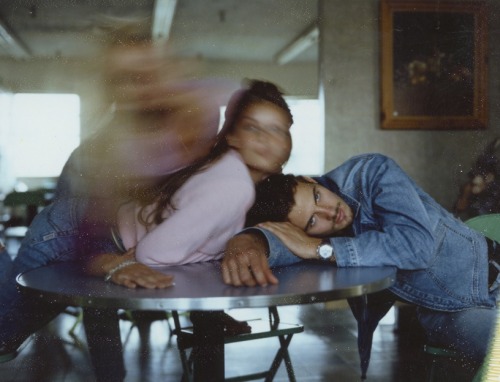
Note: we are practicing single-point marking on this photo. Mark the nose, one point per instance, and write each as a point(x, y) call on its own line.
point(327, 212)
point(262, 135)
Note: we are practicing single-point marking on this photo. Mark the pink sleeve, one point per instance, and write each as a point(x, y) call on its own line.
point(198, 230)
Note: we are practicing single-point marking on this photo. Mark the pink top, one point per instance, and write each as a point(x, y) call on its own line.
point(210, 209)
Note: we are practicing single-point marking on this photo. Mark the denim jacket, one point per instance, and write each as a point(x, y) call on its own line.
point(441, 263)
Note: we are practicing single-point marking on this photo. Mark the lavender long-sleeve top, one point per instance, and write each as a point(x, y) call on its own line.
point(210, 209)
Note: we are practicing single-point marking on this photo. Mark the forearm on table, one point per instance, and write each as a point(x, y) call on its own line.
point(277, 253)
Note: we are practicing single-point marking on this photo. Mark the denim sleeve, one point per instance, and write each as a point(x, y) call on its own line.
point(279, 254)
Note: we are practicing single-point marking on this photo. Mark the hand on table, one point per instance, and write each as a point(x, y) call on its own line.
point(294, 238)
point(132, 275)
point(140, 275)
point(245, 262)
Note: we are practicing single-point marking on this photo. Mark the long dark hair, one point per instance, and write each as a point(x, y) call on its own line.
point(163, 191)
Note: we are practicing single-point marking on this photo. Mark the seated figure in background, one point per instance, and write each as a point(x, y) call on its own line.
point(481, 193)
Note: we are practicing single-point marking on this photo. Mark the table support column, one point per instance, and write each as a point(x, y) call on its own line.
point(208, 358)
point(104, 342)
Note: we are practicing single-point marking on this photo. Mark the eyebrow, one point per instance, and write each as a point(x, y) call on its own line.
point(309, 221)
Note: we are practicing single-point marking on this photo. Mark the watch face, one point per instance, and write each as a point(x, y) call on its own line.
point(325, 251)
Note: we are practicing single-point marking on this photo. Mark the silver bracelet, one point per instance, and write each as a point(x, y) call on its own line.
point(117, 268)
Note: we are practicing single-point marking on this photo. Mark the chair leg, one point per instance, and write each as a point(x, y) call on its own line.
point(187, 374)
point(289, 367)
point(432, 370)
point(79, 319)
point(280, 355)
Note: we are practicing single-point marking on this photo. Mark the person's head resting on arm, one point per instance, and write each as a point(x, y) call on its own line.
point(301, 201)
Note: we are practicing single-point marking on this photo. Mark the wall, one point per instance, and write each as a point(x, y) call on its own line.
point(58, 76)
point(349, 79)
point(84, 78)
point(350, 82)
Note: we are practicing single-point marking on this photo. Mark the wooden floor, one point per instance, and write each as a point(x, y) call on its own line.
point(326, 351)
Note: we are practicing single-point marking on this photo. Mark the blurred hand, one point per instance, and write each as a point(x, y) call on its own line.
point(144, 77)
point(245, 262)
point(294, 238)
point(164, 107)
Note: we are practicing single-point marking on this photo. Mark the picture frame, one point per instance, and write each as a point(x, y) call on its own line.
point(433, 64)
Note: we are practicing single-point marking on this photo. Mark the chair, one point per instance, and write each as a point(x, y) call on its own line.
point(489, 226)
point(30, 201)
point(21, 208)
point(260, 329)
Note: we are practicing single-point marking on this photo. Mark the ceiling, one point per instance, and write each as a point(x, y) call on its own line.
point(251, 30)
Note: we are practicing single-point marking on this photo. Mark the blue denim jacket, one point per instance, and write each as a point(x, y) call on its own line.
point(442, 264)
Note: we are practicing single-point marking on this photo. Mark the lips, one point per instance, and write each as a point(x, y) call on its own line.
point(340, 216)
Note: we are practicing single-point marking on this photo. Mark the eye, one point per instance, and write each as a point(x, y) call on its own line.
point(316, 197)
point(312, 222)
point(279, 131)
point(249, 127)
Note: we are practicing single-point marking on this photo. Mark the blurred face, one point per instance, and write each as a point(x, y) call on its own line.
point(318, 211)
point(262, 137)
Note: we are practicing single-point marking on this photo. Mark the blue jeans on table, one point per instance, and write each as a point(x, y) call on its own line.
point(55, 235)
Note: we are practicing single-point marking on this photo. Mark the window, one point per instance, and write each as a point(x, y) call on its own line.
point(42, 131)
point(308, 132)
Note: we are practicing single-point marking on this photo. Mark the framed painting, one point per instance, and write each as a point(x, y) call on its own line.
point(433, 64)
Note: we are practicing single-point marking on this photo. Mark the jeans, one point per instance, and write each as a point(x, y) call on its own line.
point(55, 235)
point(469, 331)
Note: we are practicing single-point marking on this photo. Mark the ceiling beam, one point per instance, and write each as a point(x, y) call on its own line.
point(307, 38)
point(163, 15)
point(11, 43)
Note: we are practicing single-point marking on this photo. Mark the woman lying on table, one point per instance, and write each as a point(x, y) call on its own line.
point(190, 215)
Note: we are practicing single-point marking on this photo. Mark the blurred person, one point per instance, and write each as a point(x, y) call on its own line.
point(182, 217)
point(190, 215)
point(162, 122)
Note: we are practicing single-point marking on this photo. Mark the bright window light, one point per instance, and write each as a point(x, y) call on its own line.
point(308, 137)
point(45, 129)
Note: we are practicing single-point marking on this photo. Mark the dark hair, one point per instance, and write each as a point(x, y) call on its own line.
point(274, 199)
point(162, 193)
point(253, 92)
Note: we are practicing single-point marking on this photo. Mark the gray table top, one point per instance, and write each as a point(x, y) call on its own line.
point(199, 287)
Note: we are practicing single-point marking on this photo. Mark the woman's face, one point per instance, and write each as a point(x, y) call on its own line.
point(262, 137)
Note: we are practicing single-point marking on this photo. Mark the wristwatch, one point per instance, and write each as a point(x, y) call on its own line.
point(325, 250)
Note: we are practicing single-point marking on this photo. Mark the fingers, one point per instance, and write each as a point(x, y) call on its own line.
point(139, 275)
point(247, 270)
point(235, 272)
point(245, 262)
point(259, 268)
point(267, 273)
